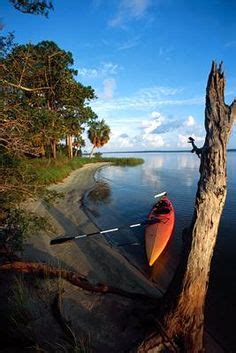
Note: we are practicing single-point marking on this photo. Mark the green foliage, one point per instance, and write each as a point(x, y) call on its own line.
point(41, 101)
point(20, 316)
point(131, 162)
point(19, 181)
point(98, 134)
point(41, 104)
point(19, 224)
point(35, 7)
point(98, 154)
point(53, 171)
point(28, 178)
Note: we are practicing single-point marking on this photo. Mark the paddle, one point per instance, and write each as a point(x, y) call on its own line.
point(111, 230)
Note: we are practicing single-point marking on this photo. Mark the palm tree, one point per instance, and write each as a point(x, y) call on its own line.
point(98, 134)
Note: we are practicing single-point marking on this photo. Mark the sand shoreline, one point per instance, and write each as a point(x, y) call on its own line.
point(100, 317)
point(68, 217)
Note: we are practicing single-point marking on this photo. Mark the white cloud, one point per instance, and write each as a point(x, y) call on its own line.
point(153, 140)
point(146, 99)
point(155, 115)
point(129, 10)
point(155, 120)
point(163, 131)
point(159, 91)
point(105, 69)
point(120, 141)
point(125, 142)
point(190, 121)
point(148, 126)
point(109, 86)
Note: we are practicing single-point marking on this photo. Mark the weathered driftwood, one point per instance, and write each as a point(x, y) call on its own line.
point(183, 314)
point(47, 271)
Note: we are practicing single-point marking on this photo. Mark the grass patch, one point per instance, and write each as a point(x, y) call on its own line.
point(123, 162)
point(48, 171)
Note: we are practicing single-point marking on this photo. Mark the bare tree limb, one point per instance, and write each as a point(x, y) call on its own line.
point(23, 88)
point(44, 270)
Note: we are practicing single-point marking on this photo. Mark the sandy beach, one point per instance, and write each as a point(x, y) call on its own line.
point(105, 318)
point(112, 323)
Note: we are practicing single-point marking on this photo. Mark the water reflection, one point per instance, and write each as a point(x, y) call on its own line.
point(130, 198)
point(101, 193)
point(124, 195)
point(93, 200)
point(187, 161)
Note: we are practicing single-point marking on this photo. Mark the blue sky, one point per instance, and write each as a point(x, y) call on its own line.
point(148, 61)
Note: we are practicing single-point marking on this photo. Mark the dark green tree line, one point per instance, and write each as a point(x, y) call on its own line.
point(41, 96)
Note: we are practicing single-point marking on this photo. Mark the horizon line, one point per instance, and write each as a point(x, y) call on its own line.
point(156, 151)
point(146, 151)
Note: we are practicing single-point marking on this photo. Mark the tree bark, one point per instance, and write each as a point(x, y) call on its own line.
point(69, 146)
point(91, 153)
point(183, 316)
point(54, 149)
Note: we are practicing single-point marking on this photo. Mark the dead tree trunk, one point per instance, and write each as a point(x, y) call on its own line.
point(183, 318)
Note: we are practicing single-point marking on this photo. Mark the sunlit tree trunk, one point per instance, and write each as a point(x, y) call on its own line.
point(91, 153)
point(183, 316)
point(69, 146)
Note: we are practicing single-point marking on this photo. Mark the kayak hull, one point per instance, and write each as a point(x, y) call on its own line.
point(158, 234)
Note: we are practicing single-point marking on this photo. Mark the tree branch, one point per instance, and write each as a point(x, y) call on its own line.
point(23, 88)
point(44, 270)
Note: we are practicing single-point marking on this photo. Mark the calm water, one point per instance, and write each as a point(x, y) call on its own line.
point(124, 195)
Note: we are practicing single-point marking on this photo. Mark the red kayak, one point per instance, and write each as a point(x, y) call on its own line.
point(158, 233)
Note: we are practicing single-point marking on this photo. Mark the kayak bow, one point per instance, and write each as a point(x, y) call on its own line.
point(158, 234)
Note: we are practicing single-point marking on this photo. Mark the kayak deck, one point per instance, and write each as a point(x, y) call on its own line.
point(158, 234)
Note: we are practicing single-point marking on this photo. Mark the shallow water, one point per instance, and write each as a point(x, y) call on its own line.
point(124, 195)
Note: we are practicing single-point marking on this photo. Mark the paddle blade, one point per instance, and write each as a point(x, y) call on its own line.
point(60, 240)
point(161, 194)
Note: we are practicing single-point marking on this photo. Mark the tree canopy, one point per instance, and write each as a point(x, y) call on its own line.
point(41, 101)
point(36, 7)
point(42, 105)
point(98, 134)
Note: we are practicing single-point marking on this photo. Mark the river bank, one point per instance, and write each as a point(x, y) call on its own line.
point(92, 257)
point(103, 318)
point(110, 322)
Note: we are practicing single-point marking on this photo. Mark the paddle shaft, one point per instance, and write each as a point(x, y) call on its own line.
point(111, 230)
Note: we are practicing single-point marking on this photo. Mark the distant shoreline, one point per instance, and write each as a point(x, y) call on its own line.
point(159, 151)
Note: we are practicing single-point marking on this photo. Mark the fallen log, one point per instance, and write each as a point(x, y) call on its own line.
point(44, 270)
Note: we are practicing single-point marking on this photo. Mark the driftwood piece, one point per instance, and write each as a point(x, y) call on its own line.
point(183, 313)
point(47, 271)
